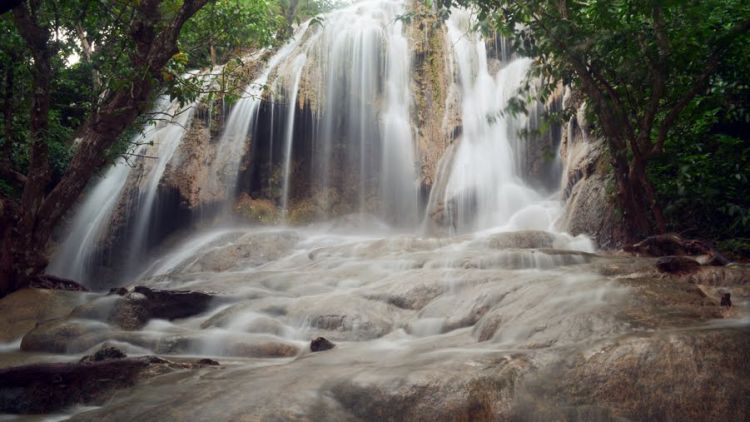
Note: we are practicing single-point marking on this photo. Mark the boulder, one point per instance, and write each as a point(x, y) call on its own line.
point(321, 344)
point(682, 376)
point(132, 310)
point(48, 387)
point(677, 264)
point(64, 336)
point(22, 310)
point(174, 304)
point(105, 353)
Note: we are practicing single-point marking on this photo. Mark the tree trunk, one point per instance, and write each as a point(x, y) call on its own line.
point(641, 214)
point(27, 226)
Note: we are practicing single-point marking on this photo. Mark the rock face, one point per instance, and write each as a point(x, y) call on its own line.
point(588, 186)
point(430, 85)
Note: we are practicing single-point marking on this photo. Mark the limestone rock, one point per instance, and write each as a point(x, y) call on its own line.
point(22, 310)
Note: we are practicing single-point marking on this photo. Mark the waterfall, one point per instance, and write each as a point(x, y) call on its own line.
point(166, 142)
point(82, 242)
point(77, 251)
point(341, 103)
point(484, 188)
point(329, 126)
point(289, 134)
point(231, 147)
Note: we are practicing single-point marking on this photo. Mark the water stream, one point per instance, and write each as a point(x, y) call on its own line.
point(434, 308)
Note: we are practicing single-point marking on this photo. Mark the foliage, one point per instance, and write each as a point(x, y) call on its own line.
point(702, 177)
point(292, 12)
point(225, 26)
point(643, 65)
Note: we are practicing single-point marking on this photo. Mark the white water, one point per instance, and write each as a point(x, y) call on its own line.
point(361, 152)
point(166, 142)
point(232, 145)
point(299, 62)
point(91, 222)
point(354, 73)
point(484, 188)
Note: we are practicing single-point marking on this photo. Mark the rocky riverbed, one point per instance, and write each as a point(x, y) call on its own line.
point(492, 326)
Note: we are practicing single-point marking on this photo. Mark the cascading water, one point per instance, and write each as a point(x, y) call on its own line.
point(484, 188)
point(299, 62)
point(487, 324)
point(77, 252)
point(231, 147)
point(166, 142)
point(342, 101)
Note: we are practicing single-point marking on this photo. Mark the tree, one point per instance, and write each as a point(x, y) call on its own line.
point(225, 26)
point(639, 63)
point(137, 40)
point(295, 11)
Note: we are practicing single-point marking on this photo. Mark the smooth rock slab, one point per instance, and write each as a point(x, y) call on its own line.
point(22, 310)
point(47, 387)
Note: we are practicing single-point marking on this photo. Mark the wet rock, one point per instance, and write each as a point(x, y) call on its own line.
point(209, 362)
point(244, 317)
point(22, 310)
point(268, 349)
point(677, 264)
point(250, 250)
point(47, 387)
point(174, 304)
point(64, 337)
point(344, 317)
point(77, 336)
point(730, 275)
point(718, 260)
point(589, 204)
point(49, 281)
point(132, 310)
point(119, 291)
point(693, 375)
point(130, 313)
point(726, 299)
point(669, 245)
point(105, 353)
point(321, 344)
point(527, 239)
point(443, 393)
point(227, 344)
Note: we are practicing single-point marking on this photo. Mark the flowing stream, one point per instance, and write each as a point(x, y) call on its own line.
point(330, 119)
